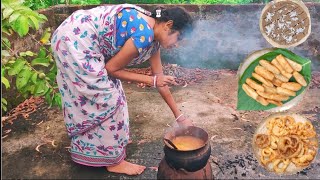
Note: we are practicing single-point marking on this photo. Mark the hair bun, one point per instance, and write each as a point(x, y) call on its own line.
point(164, 12)
point(182, 20)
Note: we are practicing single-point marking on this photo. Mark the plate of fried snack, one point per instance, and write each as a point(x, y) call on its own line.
point(272, 79)
point(285, 143)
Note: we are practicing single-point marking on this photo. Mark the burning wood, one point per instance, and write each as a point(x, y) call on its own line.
point(184, 76)
point(24, 109)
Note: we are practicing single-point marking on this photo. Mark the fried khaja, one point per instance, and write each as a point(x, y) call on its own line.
point(262, 80)
point(293, 86)
point(295, 66)
point(272, 82)
point(281, 77)
point(254, 85)
point(299, 78)
point(285, 91)
point(276, 63)
point(262, 101)
point(284, 63)
point(269, 89)
point(264, 72)
point(269, 66)
point(277, 103)
point(249, 91)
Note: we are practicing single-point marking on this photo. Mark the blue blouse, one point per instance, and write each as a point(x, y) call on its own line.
point(131, 25)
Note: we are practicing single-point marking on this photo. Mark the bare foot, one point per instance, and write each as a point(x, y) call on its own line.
point(125, 167)
point(129, 141)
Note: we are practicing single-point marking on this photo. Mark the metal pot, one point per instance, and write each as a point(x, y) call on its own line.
point(190, 161)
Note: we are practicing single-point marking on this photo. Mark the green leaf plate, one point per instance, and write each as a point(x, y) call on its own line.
point(247, 68)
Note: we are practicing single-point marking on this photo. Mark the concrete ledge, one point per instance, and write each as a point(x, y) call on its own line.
point(223, 37)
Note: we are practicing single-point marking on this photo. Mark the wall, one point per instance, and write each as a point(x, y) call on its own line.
point(224, 35)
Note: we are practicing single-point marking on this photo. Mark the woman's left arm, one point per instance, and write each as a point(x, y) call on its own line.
point(156, 66)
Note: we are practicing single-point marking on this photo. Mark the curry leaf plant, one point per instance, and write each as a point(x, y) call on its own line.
point(247, 103)
point(31, 72)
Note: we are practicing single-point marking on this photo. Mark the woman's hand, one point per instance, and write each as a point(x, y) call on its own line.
point(186, 122)
point(165, 81)
point(183, 121)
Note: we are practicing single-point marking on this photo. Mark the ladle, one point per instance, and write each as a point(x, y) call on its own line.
point(171, 143)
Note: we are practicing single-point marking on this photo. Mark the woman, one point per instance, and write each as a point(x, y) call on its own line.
point(92, 48)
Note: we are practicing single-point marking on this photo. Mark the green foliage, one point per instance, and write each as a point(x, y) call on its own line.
point(221, 1)
point(17, 17)
point(39, 4)
point(247, 103)
point(176, 1)
point(4, 104)
point(87, 2)
point(27, 68)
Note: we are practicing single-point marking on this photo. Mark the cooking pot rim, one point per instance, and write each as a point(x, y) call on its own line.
point(201, 133)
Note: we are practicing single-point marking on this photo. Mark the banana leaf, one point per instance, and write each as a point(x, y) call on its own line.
point(245, 102)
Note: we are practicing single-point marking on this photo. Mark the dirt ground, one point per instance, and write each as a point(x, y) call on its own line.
point(211, 104)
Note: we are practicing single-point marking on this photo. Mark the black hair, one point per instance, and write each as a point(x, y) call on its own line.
point(182, 20)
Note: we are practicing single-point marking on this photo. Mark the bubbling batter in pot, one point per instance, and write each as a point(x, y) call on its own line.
point(187, 143)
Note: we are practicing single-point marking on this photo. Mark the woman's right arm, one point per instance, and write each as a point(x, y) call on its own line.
point(115, 66)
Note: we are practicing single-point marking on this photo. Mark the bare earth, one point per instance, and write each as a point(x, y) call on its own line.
point(211, 104)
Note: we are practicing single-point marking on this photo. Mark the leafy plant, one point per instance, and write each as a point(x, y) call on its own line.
point(88, 2)
point(39, 4)
point(220, 1)
point(27, 68)
point(17, 17)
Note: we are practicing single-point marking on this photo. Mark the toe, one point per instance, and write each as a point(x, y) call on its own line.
point(141, 170)
point(137, 171)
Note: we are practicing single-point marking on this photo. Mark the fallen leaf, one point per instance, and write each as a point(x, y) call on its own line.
point(142, 141)
point(213, 137)
point(37, 148)
point(52, 143)
point(7, 131)
point(235, 129)
point(185, 85)
point(40, 123)
point(246, 120)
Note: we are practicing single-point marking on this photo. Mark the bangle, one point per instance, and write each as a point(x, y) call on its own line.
point(155, 81)
point(177, 119)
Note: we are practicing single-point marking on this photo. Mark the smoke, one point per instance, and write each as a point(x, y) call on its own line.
point(221, 40)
